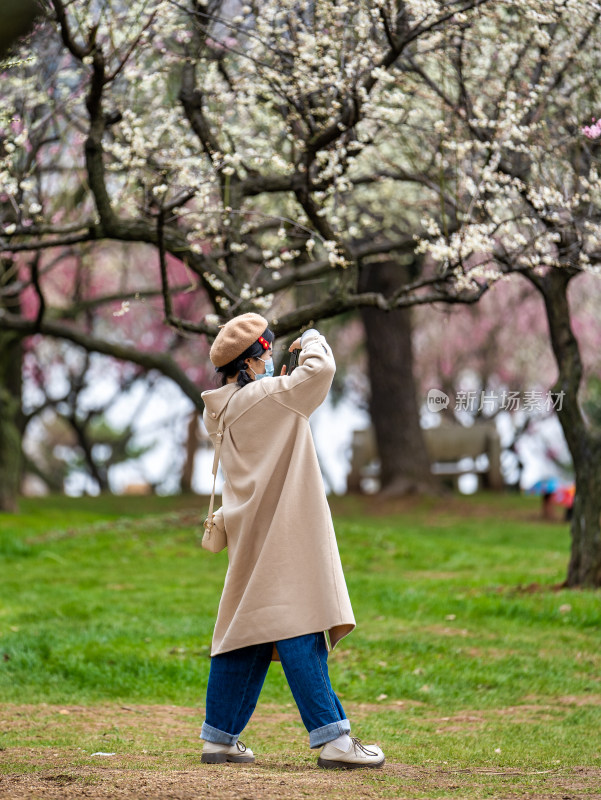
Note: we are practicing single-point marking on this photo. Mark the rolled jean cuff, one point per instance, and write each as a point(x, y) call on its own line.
point(211, 734)
point(328, 733)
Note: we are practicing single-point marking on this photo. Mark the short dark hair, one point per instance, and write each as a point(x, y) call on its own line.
point(256, 350)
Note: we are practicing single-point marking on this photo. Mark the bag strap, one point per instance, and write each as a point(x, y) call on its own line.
point(220, 430)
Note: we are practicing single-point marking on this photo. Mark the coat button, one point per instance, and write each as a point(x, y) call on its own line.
point(213, 414)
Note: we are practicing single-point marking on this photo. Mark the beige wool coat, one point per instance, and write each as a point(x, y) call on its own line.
point(284, 577)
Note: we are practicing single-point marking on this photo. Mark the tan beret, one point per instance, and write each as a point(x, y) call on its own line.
point(235, 337)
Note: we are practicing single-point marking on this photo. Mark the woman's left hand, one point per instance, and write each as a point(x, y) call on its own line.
point(296, 345)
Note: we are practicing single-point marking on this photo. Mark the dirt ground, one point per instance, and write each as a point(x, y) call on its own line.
point(270, 780)
point(268, 783)
point(153, 756)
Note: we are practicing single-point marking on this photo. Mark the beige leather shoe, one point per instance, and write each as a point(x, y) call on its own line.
point(358, 755)
point(238, 753)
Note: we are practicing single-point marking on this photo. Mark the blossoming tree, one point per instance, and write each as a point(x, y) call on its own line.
point(286, 145)
point(520, 192)
point(114, 140)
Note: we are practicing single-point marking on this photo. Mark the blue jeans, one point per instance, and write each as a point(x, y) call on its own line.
point(236, 679)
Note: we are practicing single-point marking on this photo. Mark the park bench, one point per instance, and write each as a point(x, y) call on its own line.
point(454, 450)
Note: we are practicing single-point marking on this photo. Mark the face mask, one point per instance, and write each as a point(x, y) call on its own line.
point(268, 370)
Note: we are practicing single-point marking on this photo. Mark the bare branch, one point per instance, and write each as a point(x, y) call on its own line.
point(149, 361)
point(175, 322)
point(35, 279)
point(167, 304)
point(83, 306)
point(44, 244)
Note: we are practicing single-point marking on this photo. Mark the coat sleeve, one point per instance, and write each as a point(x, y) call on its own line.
point(309, 384)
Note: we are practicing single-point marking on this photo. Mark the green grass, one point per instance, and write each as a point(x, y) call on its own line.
point(452, 662)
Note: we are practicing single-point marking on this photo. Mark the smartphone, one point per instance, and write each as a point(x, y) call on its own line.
point(293, 361)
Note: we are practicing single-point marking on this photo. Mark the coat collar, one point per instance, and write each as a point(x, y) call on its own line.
point(215, 400)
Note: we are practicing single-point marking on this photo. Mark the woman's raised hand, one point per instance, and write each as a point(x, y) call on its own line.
point(296, 345)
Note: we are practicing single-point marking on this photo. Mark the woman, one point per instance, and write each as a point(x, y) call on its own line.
point(284, 591)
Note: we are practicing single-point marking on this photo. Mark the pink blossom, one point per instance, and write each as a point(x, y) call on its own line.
point(225, 44)
point(592, 131)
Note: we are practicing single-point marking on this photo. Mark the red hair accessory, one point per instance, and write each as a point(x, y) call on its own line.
point(263, 342)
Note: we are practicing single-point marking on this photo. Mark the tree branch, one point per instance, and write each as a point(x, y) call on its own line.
point(314, 269)
point(192, 101)
point(76, 50)
point(93, 145)
point(148, 361)
point(167, 304)
point(83, 306)
point(35, 279)
point(65, 241)
point(404, 298)
point(350, 114)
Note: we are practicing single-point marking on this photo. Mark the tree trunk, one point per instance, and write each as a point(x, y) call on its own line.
point(584, 568)
point(10, 409)
point(98, 472)
point(11, 358)
point(404, 460)
point(192, 445)
point(584, 443)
